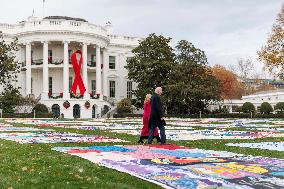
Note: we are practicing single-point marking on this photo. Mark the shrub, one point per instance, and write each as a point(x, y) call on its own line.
point(218, 115)
point(124, 106)
point(40, 109)
point(266, 108)
point(27, 115)
point(239, 109)
point(231, 115)
point(9, 99)
point(248, 107)
point(279, 107)
point(27, 101)
point(127, 115)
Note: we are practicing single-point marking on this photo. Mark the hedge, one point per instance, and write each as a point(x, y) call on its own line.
point(269, 115)
point(28, 115)
point(126, 115)
point(221, 115)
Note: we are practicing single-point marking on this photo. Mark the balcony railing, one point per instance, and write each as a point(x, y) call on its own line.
point(94, 95)
point(91, 63)
point(55, 95)
point(37, 62)
point(77, 96)
point(40, 62)
point(55, 61)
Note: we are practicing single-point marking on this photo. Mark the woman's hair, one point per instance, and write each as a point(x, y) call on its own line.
point(147, 98)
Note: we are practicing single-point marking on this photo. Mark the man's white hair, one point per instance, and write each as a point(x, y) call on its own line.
point(158, 89)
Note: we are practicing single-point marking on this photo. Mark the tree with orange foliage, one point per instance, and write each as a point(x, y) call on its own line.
point(272, 54)
point(231, 88)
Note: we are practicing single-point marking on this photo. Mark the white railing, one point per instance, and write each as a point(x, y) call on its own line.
point(54, 22)
point(117, 37)
point(132, 41)
point(7, 26)
point(75, 23)
point(54, 25)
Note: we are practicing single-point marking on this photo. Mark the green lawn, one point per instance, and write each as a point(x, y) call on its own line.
point(37, 166)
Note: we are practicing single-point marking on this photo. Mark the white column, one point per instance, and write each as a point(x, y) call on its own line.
point(85, 69)
point(105, 70)
point(98, 72)
point(66, 94)
point(28, 68)
point(45, 71)
point(230, 109)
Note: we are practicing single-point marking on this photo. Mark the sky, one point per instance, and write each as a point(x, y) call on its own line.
point(225, 29)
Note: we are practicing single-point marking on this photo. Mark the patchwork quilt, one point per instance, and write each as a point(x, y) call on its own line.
point(209, 134)
point(23, 129)
point(278, 146)
point(55, 137)
point(179, 167)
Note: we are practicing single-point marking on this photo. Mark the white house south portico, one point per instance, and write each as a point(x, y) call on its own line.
point(49, 64)
point(46, 46)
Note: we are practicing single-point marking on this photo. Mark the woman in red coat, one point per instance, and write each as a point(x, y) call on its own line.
point(146, 117)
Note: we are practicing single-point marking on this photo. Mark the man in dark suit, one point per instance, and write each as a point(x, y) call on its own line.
point(157, 116)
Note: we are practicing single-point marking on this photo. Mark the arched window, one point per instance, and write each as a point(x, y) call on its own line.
point(55, 108)
point(76, 111)
point(94, 111)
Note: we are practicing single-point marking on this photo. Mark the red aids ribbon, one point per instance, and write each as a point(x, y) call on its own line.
point(77, 71)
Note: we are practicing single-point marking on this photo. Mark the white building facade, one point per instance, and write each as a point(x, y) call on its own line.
point(272, 97)
point(47, 73)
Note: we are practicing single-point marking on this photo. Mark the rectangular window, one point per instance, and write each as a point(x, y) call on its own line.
point(50, 85)
point(129, 89)
point(111, 62)
point(69, 55)
point(49, 56)
point(70, 83)
point(93, 60)
point(32, 56)
point(112, 89)
point(93, 87)
point(31, 85)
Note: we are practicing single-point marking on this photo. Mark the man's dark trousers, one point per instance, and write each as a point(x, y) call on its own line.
point(162, 133)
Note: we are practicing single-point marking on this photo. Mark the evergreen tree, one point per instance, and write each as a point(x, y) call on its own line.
point(192, 85)
point(150, 66)
point(8, 66)
point(187, 80)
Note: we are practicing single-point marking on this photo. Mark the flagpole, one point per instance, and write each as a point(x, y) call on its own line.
point(43, 2)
